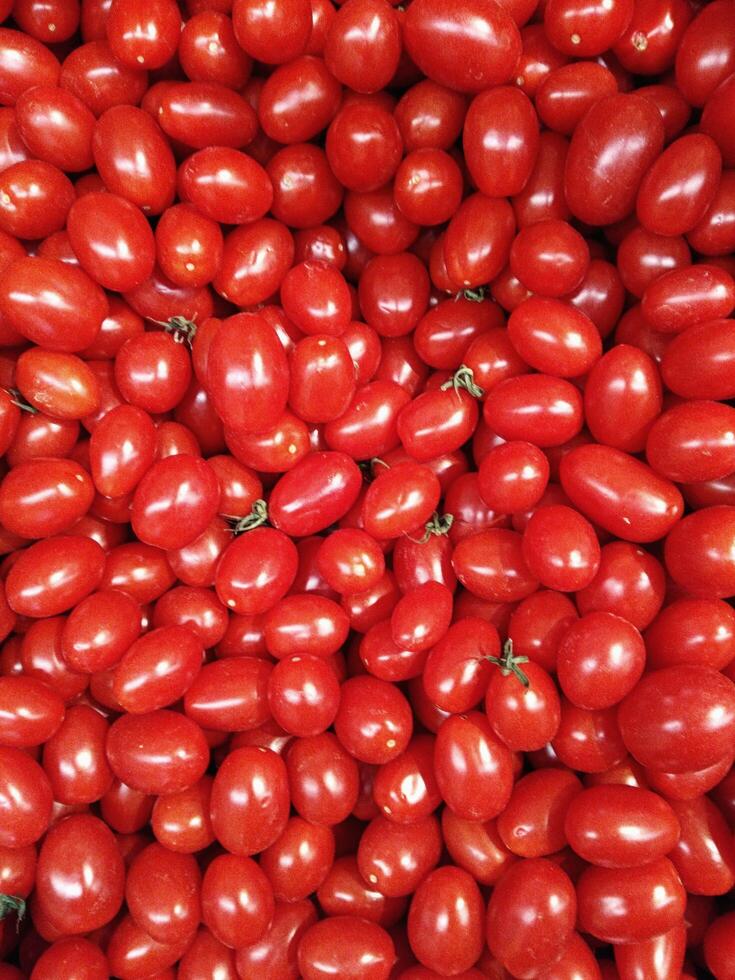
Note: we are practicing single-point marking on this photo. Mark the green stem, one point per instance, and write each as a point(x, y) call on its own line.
point(508, 663)
point(473, 295)
point(463, 378)
point(181, 329)
point(437, 525)
point(17, 399)
point(256, 518)
point(10, 904)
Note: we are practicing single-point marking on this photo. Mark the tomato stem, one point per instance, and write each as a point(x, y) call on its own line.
point(181, 329)
point(437, 524)
point(463, 378)
point(257, 517)
point(17, 399)
point(10, 904)
point(473, 295)
point(508, 663)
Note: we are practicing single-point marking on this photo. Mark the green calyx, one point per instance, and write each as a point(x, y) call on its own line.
point(10, 904)
point(463, 378)
point(257, 517)
point(508, 663)
point(181, 329)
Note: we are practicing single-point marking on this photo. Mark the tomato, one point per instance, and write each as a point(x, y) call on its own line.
point(346, 946)
point(692, 631)
point(131, 950)
point(175, 501)
point(181, 820)
point(630, 905)
point(71, 957)
point(41, 498)
point(536, 408)
point(52, 304)
point(112, 239)
point(173, 882)
point(696, 554)
point(500, 140)
point(74, 757)
point(350, 560)
point(25, 799)
point(473, 768)
point(80, 875)
point(588, 740)
point(474, 49)
point(622, 127)
point(250, 781)
point(133, 158)
point(276, 34)
point(651, 725)
point(374, 721)
point(718, 945)
point(478, 240)
point(274, 955)
point(690, 443)
point(54, 574)
point(531, 916)
point(524, 713)
point(157, 669)
point(62, 385)
point(323, 779)
point(317, 492)
point(704, 856)
point(247, 373)
point(158, 752)
point(445, 928)
point(532, 825)
point(599, 821)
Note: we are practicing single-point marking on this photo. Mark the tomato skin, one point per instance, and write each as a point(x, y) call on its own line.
point(122, 449)
point(473, 768)
point(80, 876)
point(697, 555)
point(718, 946)
point(133, 953)
point(175, 502)
point(561, 549)
point(500, 140)
point(30, 711)
point(44, 497)
point(251, 781)
point(477, 241)
point(532, 825)
point(242, 566)
point(445, 927)
point(374, 721)
point(317, 492)
point(687, 296)
point(473, 50)
point(630, 905)
point(620, 493)
point(348, 947)
point(588, 740)
point(600, 660)
point(530, 916)
point(490, 564)
point(158, 669)
point(368, 427)
point(678, 189)
point(143, 38)
point(247, 374)
point(181, 821)
point(524, 719)
point(159, 752)
point(25, 799)
point(134, 159)
point(651, 716)
point(619, 127)
point(536, 408)
point(53, 575)
point(225, 184)
point(713, 344)
point(692, 631)
point(568, 344)
point(274, 955)
point(274, 35)
point(74, 757)
point(162, 893)
point(598, 824)
point(622, 398)
point(437, 422)
point(52, 304)
point(61, 385)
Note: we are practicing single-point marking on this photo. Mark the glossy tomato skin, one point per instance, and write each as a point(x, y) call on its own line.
point(54, 574)
point(538, 898)
point(273, 35)
point(74, 757)
point(80, 876)
point(374, 721)
point(247, 373)
point(561, 549)
point(622, 398)
point(174, 880)
point(26, 799)
point(445, 927)
point(532, 825)
point(500, 139)
point(472, 49)
point(157, 669)
point(620, 493)
point(490, 564)
point(620, 127)
point(112, 239)
point(244, 681)
point(346, 946)
point(134, 159)
point(317, 492)
point(650, 718)
point(598, 821)
point(536, 408)
point(524, 718)
point(697, 556)
point(59, 384)
point(158, 752)
point(473, 768)
point(250, 781)
point(704, 856)
point(693, 631)
point(600, 660)
point(242, 582)
point(44, 497)
point(647, 901)
point(31, 711)
point(175, 502)
point(274, 955)
point(52, 304)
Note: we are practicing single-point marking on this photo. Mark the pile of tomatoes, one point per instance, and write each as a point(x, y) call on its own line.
point(367, 489)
